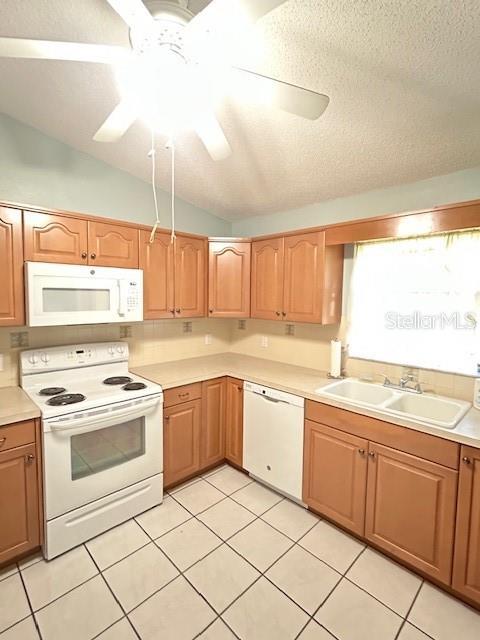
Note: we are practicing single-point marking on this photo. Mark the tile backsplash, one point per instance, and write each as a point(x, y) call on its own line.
point(166, 340)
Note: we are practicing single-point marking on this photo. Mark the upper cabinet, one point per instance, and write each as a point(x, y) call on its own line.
point(52, 238)
point(157, 261)
point(229, 279)
point(11, 268)
point(297, 278)
point(67, 240)
point(112, 245)
point(267, 279)
point(190, 276)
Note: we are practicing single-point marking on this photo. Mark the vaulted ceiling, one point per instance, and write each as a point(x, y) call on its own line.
point(403, 77)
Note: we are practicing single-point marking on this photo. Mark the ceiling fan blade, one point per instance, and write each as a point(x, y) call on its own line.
point(50, 50)
point(117, 123)
point(133, 12)
point(288, 97)
point(211, 134)
point(256, 9)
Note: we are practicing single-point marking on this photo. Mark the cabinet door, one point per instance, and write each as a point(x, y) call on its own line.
point(335, 475)
point(181, 441)
point(20, 529)
point(111, 245)
point(229, 280)
point(304, 273)
point(234, 422)
point(11, 267)
point(51, 238)
point(156, 260)
point(267, 279)
point(466, 566)
point(190, 276)
point(212, 441)
point(411, 509)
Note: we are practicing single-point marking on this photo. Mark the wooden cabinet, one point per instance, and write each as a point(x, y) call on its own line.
point(112, 245)
point(267, 279)
point(190, 276)
point(229, 279)
point(67, 240)
point(157, 261)
point(410, 510)
point(212, 441)
point(234, 421)
point(466, 566)
point(335, 475)
point(54, 238)
point(12, 311)
point(297, 279)
point(181, 441)
point(19, 495)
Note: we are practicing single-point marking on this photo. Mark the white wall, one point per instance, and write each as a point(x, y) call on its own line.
point(38, 170)
point(453, 187)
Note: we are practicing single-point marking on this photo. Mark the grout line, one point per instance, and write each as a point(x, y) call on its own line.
point(35, 622)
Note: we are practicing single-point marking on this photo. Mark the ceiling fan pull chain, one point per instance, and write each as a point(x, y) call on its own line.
point(154, 189)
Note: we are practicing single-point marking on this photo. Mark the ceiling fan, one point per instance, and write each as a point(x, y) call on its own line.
point(176, 52)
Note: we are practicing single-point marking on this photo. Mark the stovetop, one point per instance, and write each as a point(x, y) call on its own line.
point(81, 386)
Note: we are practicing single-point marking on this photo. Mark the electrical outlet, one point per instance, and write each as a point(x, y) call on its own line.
point(208, 338)
point(125, 331)
point(19, 339)
point(264, 341)
point(187, 327)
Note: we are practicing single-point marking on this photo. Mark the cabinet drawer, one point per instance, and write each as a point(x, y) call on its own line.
point(17, 435)
point(391, 435)
point(182, 394)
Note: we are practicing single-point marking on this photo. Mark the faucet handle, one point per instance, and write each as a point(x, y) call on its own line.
point(386, 380)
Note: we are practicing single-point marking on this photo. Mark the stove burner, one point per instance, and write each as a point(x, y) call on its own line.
point(67, 398)
point(117, 380)
point(134, 386)
point(51, 391)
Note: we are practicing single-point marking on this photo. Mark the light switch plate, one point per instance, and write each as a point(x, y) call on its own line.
point(208, 338)
point(264, 341)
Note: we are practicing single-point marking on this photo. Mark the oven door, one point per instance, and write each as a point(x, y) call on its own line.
point(95, 453)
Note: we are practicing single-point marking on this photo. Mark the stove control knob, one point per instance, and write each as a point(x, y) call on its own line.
point(32, 358)
point(111, 350)
point(44, 357)
point(121, 349)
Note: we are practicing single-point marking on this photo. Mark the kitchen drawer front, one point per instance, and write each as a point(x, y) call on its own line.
point(17, 435)
point(419, 444)
point(182, 394)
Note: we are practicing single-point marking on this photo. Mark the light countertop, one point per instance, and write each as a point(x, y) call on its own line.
point(292, 379)
point(16, 406)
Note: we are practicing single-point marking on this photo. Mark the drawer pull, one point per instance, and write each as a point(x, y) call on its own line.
point(184, 395)
point(466, 460)
point(30, 458)
point(2, 442)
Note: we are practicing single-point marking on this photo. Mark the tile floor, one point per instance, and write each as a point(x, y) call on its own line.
point(225, 558)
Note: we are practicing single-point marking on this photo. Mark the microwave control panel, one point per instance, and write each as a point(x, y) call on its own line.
point(134, 298)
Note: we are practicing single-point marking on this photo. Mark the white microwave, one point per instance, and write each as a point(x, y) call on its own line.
point(63, 294)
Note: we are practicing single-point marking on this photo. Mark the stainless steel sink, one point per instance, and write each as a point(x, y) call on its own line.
point(425, 409)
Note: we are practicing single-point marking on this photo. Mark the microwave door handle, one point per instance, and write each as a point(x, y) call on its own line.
point(122, 294)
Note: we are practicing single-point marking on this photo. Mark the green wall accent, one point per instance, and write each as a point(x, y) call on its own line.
point(453, 187)
point(38, 170)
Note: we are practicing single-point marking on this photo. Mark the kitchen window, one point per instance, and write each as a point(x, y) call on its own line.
point(416, 302)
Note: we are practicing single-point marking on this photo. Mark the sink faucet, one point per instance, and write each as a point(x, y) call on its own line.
point(403, 383)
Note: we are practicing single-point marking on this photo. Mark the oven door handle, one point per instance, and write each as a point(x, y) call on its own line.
point(96, 421)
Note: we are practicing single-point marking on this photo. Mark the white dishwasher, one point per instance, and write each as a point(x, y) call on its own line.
point(273, 437)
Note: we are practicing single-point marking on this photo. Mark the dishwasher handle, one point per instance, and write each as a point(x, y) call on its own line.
point(269, 398)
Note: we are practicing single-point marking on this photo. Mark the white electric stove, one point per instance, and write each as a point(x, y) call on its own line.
point(102, 439)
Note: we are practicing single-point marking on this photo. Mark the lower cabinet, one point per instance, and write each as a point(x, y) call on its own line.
point(19, 495)
point(234, 422)
point(212, 441)
point(410, 511)
point(181, 441)
point(466, 566)
point(335, 475)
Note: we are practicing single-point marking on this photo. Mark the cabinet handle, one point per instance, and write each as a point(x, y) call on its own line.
point(466, 460)
point(210, 311)
point(167, 417)
point(284, 313)
point(172, 311)
point(184, 395)
point(30, 458)
point(361, 452)
point(2, 442)
point(93, 256)
point(277, 313)
point(177, 310)
point(372, 454)
point(84, 254)
point(240, 388)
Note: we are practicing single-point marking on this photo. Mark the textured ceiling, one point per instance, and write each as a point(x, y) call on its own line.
point(403, 77)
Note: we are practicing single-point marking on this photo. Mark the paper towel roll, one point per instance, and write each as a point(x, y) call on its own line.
point(335, 358)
